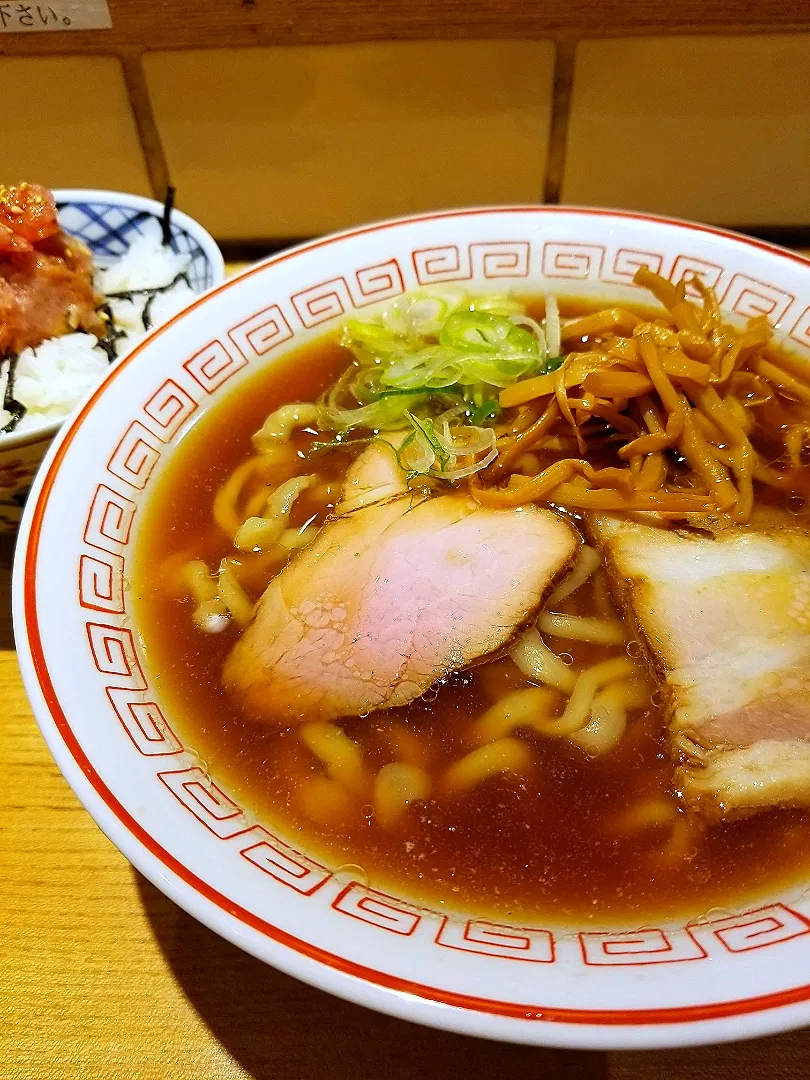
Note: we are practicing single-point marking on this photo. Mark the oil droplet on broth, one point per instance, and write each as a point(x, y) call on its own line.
point(713, 915)
point(794, 504)
point(634, 649)
point(349, 874)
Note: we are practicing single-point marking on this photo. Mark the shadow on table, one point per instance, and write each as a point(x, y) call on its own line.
point(6, 559)
point(277, 1027)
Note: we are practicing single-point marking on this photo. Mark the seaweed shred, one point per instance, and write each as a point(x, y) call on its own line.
point(128, 294)
point(10, 403)
point(166, 220)
point(109, 343)
point(146, 314)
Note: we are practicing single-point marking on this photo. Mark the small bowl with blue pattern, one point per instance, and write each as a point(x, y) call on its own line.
point(120, 231)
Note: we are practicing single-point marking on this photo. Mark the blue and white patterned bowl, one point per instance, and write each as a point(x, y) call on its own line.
point(107, 222)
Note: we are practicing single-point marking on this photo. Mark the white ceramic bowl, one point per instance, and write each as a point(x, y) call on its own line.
point(107, 222)
point(743, 974)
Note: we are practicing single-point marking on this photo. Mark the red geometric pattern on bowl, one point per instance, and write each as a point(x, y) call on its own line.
point(284, 863)
point(375, 908)
point(336, 297)
point(494, 939)
point(135, 457)
point(383, 281)
point(109, 519)
point(639, 947)
point(687, 266)
point(169, 408)
point(751, 298)
point(573, 261)
point(320, 303)
point(113, 652)
point(214, 365)
point(198, 793)
point(489, 259)
point(260, 333)
point(101, 582)
point(447, 263)
point(800, 331)
point(133, 703)
point(758, 929)
point(625, 263)
point(144, 722)
point(506, 259)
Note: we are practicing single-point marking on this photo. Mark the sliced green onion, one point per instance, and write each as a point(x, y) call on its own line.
point(380, 395)
point(339, 443)
point(432, 366)
point(552, 327)
point(371, 338)
point(414, 456)
point(422, 314)
point(467, 441)
point(425, 359)
point(467, 470)
point(497, 304)
point(482, 332)
point(425, 429)
point(486, 411)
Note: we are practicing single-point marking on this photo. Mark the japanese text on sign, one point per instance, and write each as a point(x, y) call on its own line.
point(18, 18)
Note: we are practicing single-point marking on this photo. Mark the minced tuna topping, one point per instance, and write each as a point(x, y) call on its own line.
point(46, 277)
point(65, 316)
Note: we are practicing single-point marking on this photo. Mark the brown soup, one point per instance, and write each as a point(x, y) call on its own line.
point(571, 838)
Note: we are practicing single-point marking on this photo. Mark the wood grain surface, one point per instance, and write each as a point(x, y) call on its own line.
point(188, 24)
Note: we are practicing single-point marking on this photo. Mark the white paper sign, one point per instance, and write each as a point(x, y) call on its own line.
point(23, 18)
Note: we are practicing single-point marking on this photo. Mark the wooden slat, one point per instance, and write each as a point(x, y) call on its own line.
point(186, 24)
point(564, 60)
point(146, 125)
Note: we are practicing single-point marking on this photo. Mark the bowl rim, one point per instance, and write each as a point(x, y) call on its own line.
point(569, 1028)
point(12, 439)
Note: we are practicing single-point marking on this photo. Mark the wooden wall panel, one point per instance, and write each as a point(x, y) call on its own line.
point(182, 24)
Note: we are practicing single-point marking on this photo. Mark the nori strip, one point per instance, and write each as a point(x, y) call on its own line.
point(10, 403)
point(109, 343)
point(127, 294)
point(166, 223)
point(146, 314)
point(150, 294)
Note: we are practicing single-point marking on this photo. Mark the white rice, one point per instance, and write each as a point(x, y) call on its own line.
point(52, 379)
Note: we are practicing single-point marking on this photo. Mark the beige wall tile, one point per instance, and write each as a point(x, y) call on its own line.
point(68, 124)
point(710, 128)
point(287, 142)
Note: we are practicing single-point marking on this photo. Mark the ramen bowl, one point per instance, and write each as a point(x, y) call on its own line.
point(107, 222)
point(725, 975)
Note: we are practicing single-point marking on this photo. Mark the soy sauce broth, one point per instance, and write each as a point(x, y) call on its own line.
point(558, 843)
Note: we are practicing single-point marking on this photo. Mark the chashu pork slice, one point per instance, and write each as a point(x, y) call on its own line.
point(726, 622)
point(391, 597)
